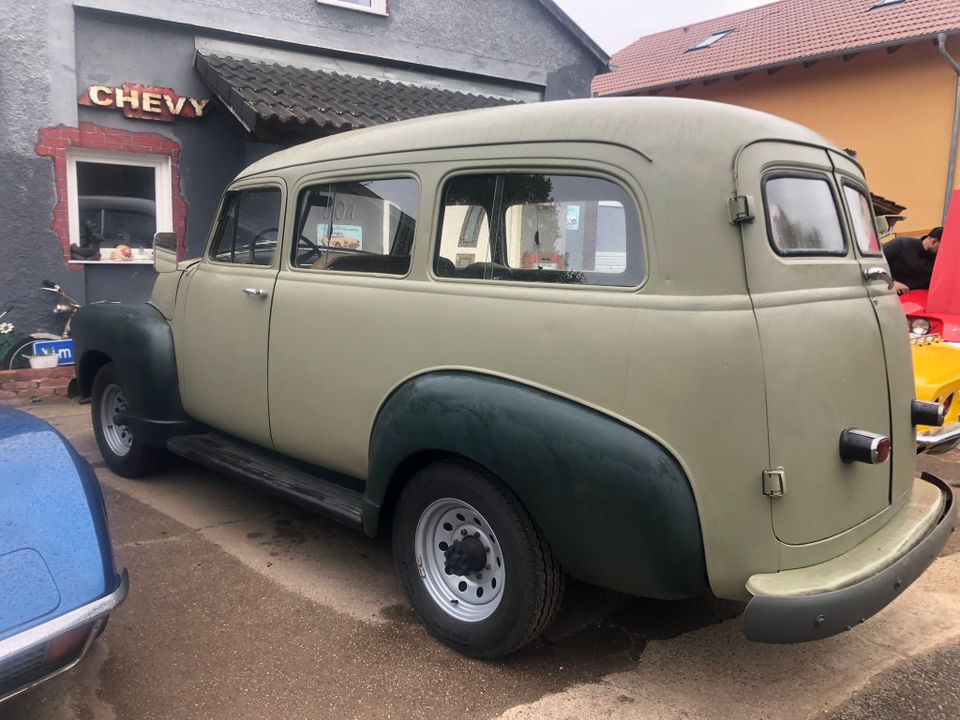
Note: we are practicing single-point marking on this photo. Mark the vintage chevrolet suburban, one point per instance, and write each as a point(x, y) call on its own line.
point(644, 343)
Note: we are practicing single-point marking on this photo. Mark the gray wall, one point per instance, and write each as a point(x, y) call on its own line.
point(517, 31)
point(213, 148)
point(36, 88)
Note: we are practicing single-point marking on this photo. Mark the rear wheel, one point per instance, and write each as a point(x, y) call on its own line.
point(475, 566)
point(122, 450)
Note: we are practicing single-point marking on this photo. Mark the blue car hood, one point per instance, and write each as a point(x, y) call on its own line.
point(55, 550)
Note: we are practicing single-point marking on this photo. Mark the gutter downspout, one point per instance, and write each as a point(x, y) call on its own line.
point(952, 165)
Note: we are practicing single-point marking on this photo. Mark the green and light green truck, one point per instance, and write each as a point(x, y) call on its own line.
point(645, 343)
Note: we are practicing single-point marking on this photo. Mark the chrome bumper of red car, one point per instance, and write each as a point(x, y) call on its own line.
point(24, 657)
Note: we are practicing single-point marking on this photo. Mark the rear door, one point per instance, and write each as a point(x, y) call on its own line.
point(822, 348)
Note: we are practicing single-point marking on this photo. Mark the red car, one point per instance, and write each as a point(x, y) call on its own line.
point(937, 311)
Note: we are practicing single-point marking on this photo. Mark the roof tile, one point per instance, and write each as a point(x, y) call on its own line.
point(780, 33)
point(325, 102)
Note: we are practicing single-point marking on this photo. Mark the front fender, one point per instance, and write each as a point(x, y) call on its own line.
point(138, 341)
point(615, 506)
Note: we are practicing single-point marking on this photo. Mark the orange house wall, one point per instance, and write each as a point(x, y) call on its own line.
point(895, 110)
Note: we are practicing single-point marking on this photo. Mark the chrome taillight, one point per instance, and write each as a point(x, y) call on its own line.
point(863, 446)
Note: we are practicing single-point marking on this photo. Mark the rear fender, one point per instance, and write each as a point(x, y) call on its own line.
point(615, 505)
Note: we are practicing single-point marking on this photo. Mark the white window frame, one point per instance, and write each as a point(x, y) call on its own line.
point(163, 191)
point(378, 7)
point(710, 40)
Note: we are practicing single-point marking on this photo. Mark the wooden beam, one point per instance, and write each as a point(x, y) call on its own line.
point(774, 71)
point(683, 86)
point(708, 83)
point(741, 76)
point(810, 63)
point(849, 56)
point(893, 48)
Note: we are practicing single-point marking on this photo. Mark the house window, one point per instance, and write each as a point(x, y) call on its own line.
point(378, 7)
point(708, 41)
point(117, 202)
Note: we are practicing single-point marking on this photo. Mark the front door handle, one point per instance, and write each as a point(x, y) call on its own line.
point(257, 292)
point(878, 273)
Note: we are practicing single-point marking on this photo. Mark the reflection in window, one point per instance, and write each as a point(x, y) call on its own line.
point(116, 205)
point(864, 224)
point(803, 217)
point(539, 228)
point(361, 226)
point(247, 229)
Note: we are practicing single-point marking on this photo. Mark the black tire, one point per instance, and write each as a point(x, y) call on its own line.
point(532, 582)
point(123, 452)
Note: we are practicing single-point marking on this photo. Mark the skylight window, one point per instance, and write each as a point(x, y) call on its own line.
point(708, 41)
point(884, 3)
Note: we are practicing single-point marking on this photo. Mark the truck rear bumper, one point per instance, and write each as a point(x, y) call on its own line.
point(826, 599)
point(936, 441)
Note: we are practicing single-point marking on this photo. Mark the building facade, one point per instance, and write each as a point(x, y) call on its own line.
point(870, 75)
point(127, 117)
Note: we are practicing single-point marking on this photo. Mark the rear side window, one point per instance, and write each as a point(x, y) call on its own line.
point(247, 228)
point(862, 217)
point(358, 226)
point(802, 216)
point(532, 227)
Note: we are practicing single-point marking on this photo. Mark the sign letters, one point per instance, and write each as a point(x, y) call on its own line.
point(143, 102)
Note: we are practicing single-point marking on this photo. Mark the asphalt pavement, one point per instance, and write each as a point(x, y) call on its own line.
point(245, 606)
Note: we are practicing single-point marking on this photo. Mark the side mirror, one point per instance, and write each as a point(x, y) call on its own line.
point(883, 226)
point(165, 252)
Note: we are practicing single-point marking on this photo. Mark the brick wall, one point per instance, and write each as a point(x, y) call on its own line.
point(26, 387)
point(53, 142)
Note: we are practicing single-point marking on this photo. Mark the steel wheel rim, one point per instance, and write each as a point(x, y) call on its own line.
point(470, 598)
point(119, 436)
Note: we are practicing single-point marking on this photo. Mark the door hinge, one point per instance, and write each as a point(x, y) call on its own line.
point(774, 482)
point(741, 209)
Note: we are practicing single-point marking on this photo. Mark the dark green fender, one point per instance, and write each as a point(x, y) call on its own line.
point(138, 341)
point(615, 506)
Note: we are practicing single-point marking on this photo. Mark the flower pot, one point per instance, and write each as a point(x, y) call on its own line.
point(43, 361)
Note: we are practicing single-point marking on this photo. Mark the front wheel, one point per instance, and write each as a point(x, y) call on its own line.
point(122, 450)
point(475, 566)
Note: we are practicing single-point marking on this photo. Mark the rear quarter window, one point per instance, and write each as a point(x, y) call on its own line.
point(862, 219)
point(802, 216)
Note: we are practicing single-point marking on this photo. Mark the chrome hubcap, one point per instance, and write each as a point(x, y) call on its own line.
point(113, 414)
point(459, 560)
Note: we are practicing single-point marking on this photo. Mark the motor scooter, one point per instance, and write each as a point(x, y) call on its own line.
point(16, 349)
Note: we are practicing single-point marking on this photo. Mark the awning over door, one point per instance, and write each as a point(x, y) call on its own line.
point(275, 102)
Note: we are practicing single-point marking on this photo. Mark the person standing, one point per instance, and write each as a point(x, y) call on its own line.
point(911, 260)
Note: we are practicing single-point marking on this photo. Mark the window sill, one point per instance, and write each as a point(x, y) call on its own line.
point(351, 6)
point(110, 262)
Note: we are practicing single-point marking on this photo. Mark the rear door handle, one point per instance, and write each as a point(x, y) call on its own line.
point(878, 273)
point(257, 292)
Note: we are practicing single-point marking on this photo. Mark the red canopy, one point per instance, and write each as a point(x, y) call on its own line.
point(944, 296)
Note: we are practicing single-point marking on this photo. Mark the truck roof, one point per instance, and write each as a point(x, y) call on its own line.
point(662, 129)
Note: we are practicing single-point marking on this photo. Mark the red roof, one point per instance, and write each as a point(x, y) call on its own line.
point(780, 33)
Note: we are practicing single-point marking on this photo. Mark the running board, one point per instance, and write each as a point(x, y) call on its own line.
point(259, 467)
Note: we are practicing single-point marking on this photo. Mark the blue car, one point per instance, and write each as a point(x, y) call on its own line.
point(58, 584)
